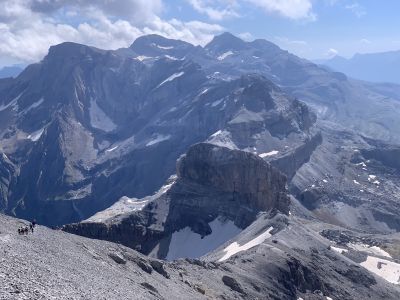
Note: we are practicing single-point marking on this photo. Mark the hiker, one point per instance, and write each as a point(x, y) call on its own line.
point(31, 227)
point(34, 223)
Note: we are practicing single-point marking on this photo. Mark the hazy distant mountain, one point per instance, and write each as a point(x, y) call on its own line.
point(376, 67)
point(10, 71)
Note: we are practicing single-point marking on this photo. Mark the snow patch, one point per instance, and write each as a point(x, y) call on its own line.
point(339, 250)
point(171, 57)
point(99, 119)
point(165, 47)
point(13, 103)
point(35, 136)
point(216, 103)
point(143, 57)
point(234, 248)
point(171, 78)
point(356, 182)
point(187, 244)
point(374, 250)
point(33, 106)
point(124, 205)
point(224, 55)
point(158, 139)
point(112, 149)
point(386, 269)
point(271, 153)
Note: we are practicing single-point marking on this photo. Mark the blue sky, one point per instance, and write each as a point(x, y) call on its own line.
point(312, 29)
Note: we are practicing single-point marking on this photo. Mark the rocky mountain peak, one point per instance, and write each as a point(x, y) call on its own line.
point(259, 184)
point(154, 45)
point(225, 42)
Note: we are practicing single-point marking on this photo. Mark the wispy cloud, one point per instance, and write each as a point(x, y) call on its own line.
point(29, 27)
point(331, 53)
point(357, 9)
point(365, 41)
point(216, 10)
point(292, 9)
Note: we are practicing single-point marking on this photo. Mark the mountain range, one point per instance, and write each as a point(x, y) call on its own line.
point(238, 156)
point(374, 67)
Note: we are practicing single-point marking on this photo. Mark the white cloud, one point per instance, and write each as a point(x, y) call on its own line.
point(292, 9)
point(357, 9)
point(365, 41)
point(331, 53)
point(246, 36)
point(29, 27)
point(216, 10)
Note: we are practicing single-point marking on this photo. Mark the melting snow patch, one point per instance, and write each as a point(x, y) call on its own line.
point(112, 149)
point(13, 103)
point(339, 250)
point(123, 205)
point(234, 248)
point(271, 153)
point(33, 106)
point(325, 181)
point(99, 119)
point(186, 243)
point(216, 103)
point(216, 133)
point(386, 269)
point(171, 57)
point(224, 55)
point(35, 136)
point(362, 164)
point(375, 250)
point(165, 47)
point(142, 57)
point(171, 78)
point(159, 138)
point(356, 182)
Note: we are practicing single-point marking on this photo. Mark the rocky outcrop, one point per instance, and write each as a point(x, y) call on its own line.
point(212, 182)
point(7, 173)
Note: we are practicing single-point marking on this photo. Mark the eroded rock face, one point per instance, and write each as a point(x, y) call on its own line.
point(248, 177)
point(213, 182)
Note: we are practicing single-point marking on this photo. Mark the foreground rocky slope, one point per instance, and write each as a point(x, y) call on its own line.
point(282, 260)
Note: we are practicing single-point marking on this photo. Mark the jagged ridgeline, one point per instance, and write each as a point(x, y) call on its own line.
point(278, 178)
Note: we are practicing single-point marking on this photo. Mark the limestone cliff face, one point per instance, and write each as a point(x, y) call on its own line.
point(212, 182)
point(248, 177)
point(7, 171)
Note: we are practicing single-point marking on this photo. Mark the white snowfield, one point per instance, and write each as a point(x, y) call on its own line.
point(271, 153)
point(386, 269)
point(339, 250)
point(224, 55)
point(33, 106)
point(143, 57)
point(99, 119)
point(187, 244)
point(13, 103)
point(234, 248)
point(124, 205)
point(112, 149)
point(374, 250)
point(158, 139)
point(165, 47)
point(35, 136)
point(171, 78)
